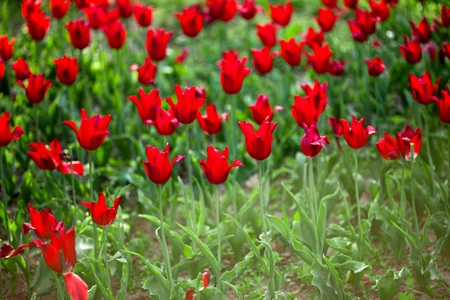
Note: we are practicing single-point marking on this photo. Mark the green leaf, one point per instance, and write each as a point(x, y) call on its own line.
point(212, 293)
point(235, 289)
point(389, 284)
point(280, 226)
point(326, 279)
point(91, 292)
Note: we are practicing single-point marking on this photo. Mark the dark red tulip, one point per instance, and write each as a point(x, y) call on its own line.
point(42, 223)
point(411, 51)
point(111, 16)
point(355, 134)
point(258, 144)
point(223, 10)
point(6, 48)
point(37, 87)
point(21, 69)
point(317, 88)
point(200, 92)
point(29, 7)
point(182, 56)
point(326, 19)
point(66, 69)
point(165, 121)
point(291, 51)
point(96, 16)
point(376, 43)
point(375, 67)
point(143, 14)
point(187, 106)
point(422, 31)
point(233, 72)
point(405, 138)
point(2, 69)
point(147, 104)
point(156, 43)
point(158, 165)
point(211, 123)
point(92, 131)
point(262, 60)
point(115, 34)
point(125, 8)
point(444, 105)
point(80, 4)
point(444, 52)
point(365, 21)
point(312, 142)
point(320, 60)
point(337, 129)
point(267, 34)
point(445, 16)
point(312, 37)
point(356, 32)
point(352, 4)
point(59, 8)
point(101, 215)
point(307, 110)
point(248, 9)
point(191, 20)
point(50, 158)
point(262, 109)
point(422, 88)
point(79, 33)
point(189, 294)
point(391, 3)
point(330, 3)
point(146, 72)
point(37, 25)
point(281, 14)
point(337, 68)
point(379, 10)
point(6, 136)
point(216, 167)
point(388, 147)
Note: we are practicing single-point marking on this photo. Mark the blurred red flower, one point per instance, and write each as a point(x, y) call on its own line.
point(143, 14)
point(312, 37)
point(320, 59)
point(375, 67)
point(267, 34)
point(312, 142)
point(37, 25)
point(352, 4)
point(379, 10)
point(115, 34)
point(281, 14)
point(388, 147)
point(37, 87)
point(79, 33)
point(29, 7)
point(291, 51)
point(365, 21)
point(233, 72)
point(187, 106)
point(444, 105)
point(156, 43)
point(422, 88)
point(146, 72)
point(307, 110)
point(101, 215)
point(182, 56)
point(6, 48)
point(191, 20)
point(216, 167)
point(165, 121)
point(336, 67)
point(248, 9)
point(21, 69)
point(158, 165)
point(326, 19)
point(405, 138)
point(59, 8)
point(66, 69)
point(125, 8)
point(147, 104)
point(263, 60)
point(211, 123)
point(356, 32)
point(411, 50)
point(259, 143)
point(96, 16)
point(262, 109)
point(337, 129)
point(43, 223)
point(356, 135)
point(6, 136)
point(330, 3)
point(223, 10)
point(422, 31)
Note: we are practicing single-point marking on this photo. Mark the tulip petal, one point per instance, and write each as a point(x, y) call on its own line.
point(75, 286)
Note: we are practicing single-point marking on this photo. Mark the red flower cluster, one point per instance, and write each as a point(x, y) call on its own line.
point(391, 149)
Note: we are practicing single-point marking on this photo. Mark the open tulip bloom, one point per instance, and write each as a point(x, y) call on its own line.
point(262, 109)
point(259, 143)
point(42, 223)
point(216, 167)
point(187, 106)
point(312, 142)
point(102, 215)
point(158, 165)
point(6, 135)
point(147, 104)
point(356, 135)
point(211, 123)
point(37, 87)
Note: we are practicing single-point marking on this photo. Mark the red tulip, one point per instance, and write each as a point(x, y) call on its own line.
point(263, 60)
point(223, 10)
point(262, 109)
point(431, 48)
point(267, 34)
point(352, 4)
point(411, 51)
point(206, 278)
point(337, 129)
point(187, 107)
point(165, 121)
point(21, 69)
point(405, 138)
point(37, 25)
point(444, 105)
point(330, 3)
point(211, 123)
point(444, 52)
point(2, 69)
point(336, 68)
point(66, 69)
point(200, 92)
point(317, 88)
point(7, 249)
point(75, 286)
point(79, 33)
point(379, 10)
point(125, 8)
point(115, 34)
point(216, 167)
point(445, 16)
point(259, 144)
point(422, 32)
point(29, 7)
point(356, 32)
point(59, 8)
point(111, 16)
point(143, 14)
point(92, 131)
point(6, 48)
point(365, 21)
point(147, 104)
point(191, 20)
point(326, 19)
point(355, 134)
point(51, 159)
point(312, 37)
point(307, 110)
point(375, 67)
point(182, 56)
point(80, 4)
point(233, 72)
point(96, 16)
point(101, 215)
point(281, 14)
point(43, 223)
point(190, 294)
point(147, 72)
point(388, 147)
point(6, 136)
point(422, 88)
point(158, 165)
point(248, 9)
point(320, 60)
point(312, 142)
point(37, 87)
point(291, 51)
point(391, 3)
point(156, 43)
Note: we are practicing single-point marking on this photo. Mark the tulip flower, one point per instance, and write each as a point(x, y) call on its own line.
point(66, 69)
point(291, 51)
point(206, 278)
point(388, 147)
point(187, 106)
point(445, 16)
point(216, 167)
point(52, 159)
point(248, 9)
point(365, 21)
point(42, 223)
point(156, 43)
point(37, 25)
point(379, 10)
point(267, 34)
point(326, 19)
point(411, 50)
point(422, 32)
point(223, 10)
point(312, 37)
point(6, 136)
point(211, 123)
point(352, 4)
point(330, 3)
point(317, 88)
point(191, 20)
point(6, 48)
point(233, 72)
point(262, 109)
point(59, 8)
point(281, 14)
point(259, 144)
point(79, 33)
point(337, 129)
point(422, 88)
point(405, 138)
point(262, 60)
point(92, 131)
point(81, 4)
point(375, 67)
point(21, 69)
point(320, 60)
point(312, 142)
point(95, 15)
point(147, 72)
point(37, 87)
point(307, 110)
point(189, 294)
point(6, 249)
point(125, 8)
point(101, 215)
point(444, 105)
point(147, 104)
point(29, 7)
point(143, 14)
point(444, 52)
point(182, 56)
point(200, 92)
point(356, 135)
point(336, 68)
point(115, 34)
point(158, 165)
point(111, 16)
point(165, 121)
point(391, 3)
point(356, 32)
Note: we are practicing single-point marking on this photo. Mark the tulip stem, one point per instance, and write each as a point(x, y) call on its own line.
point(358, 207)
point(219, 241)
point(91, 199)
point(313, 207)
point(233, 141)
point(83, 70)
point(75, 213)
point(37, 124)
point(105, 230)
point(413, 201)
point(58, 286)
point(3, 188)
point(261, 201)
point(163, 238)
point(190, 178)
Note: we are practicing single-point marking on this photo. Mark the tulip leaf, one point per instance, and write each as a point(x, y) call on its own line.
point(91, 292)
point(389, 284)
point(235, 289)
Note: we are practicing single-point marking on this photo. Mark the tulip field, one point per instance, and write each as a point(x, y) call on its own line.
point(225, 149)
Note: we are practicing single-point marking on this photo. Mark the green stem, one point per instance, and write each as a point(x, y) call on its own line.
point(219, 241)
point(448, 169)
point(163, 238)
point(58, 286)
point(413, 201)
point(105, 254)
point(91, 199)
point(314, 208)
point(358, 207)
point(261, 202)
point(5, 200)
point(37, 123)
point(75, 214)
point(1, 287)
point(403, 196)
point(49, 188)
point(233, 148)
point(86, 83)
point(191, 188)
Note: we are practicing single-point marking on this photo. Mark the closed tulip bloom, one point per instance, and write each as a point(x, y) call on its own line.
point(262, 109)
point(216, 167)
point(79, 33)
point(29, 7)
point(6, 136)
point(115, 34)
point(187, 106)
point(180, 58)
point(312, 142)
point(317, 88)
point(422, 88)
point(223, 10)
point(59, 8)
point(422, 32)
point(375, 67)
point(6, 48)
point(156, 43)
point(147, 104)
point(96, 16)
point(248, 9)
point(191, 20)
point(262, 60)
point(411, 51)
point(326, 19)
point(143, 14)
point(37, 25)
point(80, 4)
point(388, 147)
point(211, 123)
point(42, 223)
point(352, 4)
point(267, 34)
point(233, 72)
point(320, 59)
point(158, 165)
point(379, 10)
point(101, 215)
point(356, 32)
point(37, 87)
point(337, 129)
point(146, 72)
point(125, 8)
point(355, 134)
point(337, 68)
point(66, 69)
point(258, 144)
point(307, 110)
point(444, 105)
point(365, 21)
point(111, 16)
point(291, 51)
point(312, 37)
point(165, 121)
point(21, 69)
point(92, 132)
point(445, 16)
point(405, 138)
point(281, 14)
point(330, 3)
